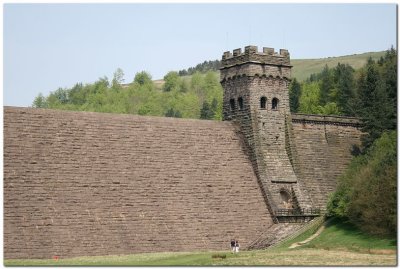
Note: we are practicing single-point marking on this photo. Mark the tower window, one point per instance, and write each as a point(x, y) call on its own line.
point(263, 102)
point(232, 104)
point(240, 102)
point(275, 102)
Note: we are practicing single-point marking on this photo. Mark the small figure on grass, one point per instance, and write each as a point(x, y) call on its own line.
point(237, 246)
point(233, 245)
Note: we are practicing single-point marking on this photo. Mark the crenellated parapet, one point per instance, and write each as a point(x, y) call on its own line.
point(251, 54)
point(252, 63)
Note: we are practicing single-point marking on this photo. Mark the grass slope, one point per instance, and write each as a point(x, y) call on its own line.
point(303, 68)
point(339, 244)
point(341, 235)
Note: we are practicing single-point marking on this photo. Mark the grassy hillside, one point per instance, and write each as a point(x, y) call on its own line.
point(339, 244)
point(343, 236)
point(303, 68)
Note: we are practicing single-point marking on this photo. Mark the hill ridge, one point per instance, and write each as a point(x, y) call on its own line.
point(303, 68)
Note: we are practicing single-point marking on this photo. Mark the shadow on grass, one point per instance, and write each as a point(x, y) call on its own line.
point(341, 233)
point(351, 229)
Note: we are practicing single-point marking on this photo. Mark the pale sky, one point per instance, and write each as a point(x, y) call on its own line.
point(47, 46)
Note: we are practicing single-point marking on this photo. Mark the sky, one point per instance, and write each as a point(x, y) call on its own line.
point(48, 46)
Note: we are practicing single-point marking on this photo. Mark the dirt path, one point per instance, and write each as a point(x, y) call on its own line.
point(318, 232)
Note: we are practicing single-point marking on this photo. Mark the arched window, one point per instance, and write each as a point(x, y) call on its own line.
point(275, 102)
point(286, 199)
point(240, 103)
point(263, 102)
point(232, 104)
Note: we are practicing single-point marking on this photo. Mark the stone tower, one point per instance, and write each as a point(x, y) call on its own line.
point(255, 81)
point(256, 96)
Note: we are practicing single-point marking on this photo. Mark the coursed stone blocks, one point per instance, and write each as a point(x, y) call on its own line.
point(85, 184)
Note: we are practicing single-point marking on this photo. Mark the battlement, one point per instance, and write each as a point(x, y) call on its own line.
point(268, 56)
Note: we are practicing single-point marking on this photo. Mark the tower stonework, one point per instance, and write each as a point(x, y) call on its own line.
point(256, 96)
point(252, 75)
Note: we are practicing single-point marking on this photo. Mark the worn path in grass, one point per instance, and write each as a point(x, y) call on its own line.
point(298, 244)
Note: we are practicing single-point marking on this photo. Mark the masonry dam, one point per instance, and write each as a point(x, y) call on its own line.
point(86, 184)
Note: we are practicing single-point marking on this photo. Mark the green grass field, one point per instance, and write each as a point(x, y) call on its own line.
point(339, 244)
point(344, 236)
point(273, 257)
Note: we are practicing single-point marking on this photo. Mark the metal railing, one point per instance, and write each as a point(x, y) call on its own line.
point(298, 212)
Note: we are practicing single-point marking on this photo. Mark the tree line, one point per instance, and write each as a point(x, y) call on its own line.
point(198, 96)
point(329, 92)
point(367, 192)
point(202, 68)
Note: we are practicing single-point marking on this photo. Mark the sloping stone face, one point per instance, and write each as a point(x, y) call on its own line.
point(321, 147)
point(82, 184)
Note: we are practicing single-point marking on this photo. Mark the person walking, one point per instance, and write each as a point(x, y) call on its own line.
point(233, 244)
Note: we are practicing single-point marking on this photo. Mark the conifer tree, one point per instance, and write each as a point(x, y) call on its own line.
point(206, 112)
point(374, 105)
point(294, 95)
point(326, 86)
point(344, 85)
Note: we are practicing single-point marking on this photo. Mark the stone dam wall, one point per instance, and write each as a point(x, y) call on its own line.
point(320, 150)
point(83, 184)
point(86, 184)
